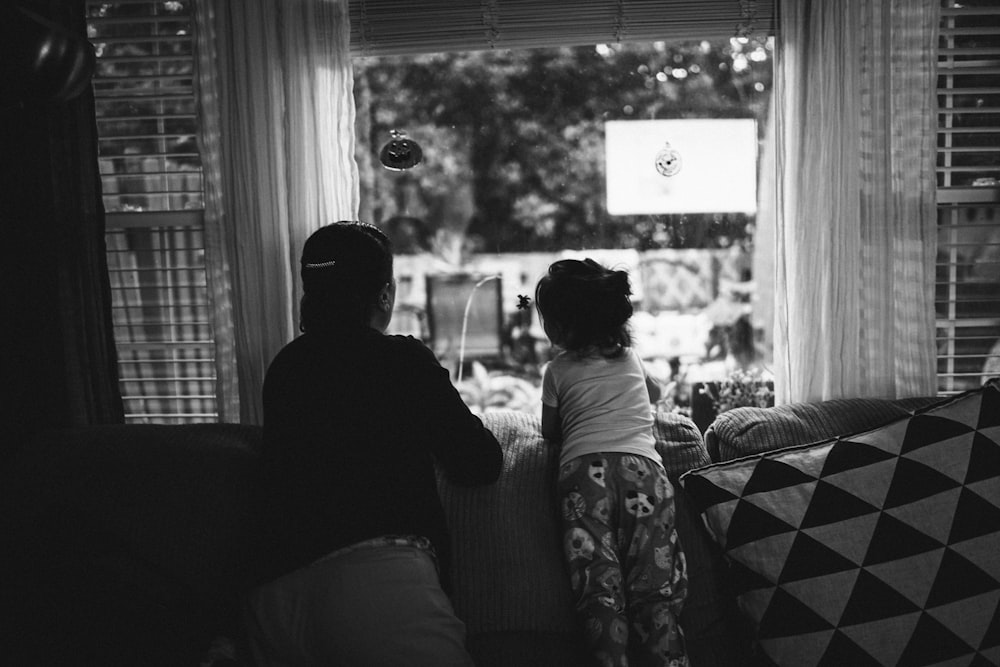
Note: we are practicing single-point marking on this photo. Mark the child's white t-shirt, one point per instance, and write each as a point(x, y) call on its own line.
point(603, 405)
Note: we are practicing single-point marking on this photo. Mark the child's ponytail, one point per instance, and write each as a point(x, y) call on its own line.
point(588, 306)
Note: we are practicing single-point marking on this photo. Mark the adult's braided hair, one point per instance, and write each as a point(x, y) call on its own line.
point(588, 305)
point(344, 266)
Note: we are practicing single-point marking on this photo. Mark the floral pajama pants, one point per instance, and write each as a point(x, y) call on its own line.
point(626, 567)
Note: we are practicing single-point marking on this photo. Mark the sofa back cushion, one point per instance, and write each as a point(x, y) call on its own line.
point(137, 536)
point(507, 571)
point(679, 443)
point(873, 548)
point(508, 574)
point(746, 431)
point(177, 497)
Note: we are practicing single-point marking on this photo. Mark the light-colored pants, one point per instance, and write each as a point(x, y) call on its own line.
point(372, 606)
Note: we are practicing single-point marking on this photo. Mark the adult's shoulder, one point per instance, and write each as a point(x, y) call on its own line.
point(287, 369)
point(288, 353)
point(410, 348)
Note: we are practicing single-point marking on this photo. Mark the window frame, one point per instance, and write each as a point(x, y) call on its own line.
point(955, 202)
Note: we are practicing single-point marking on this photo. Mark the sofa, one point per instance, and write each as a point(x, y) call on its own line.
point(130, 544)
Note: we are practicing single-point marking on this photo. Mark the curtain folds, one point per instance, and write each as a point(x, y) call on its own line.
point(276, 89)
point(217, 257)
point(58, 361)
point(855, 217)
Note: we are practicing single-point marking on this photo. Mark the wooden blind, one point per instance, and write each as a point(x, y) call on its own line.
point(391, 27)
point(968, 172)
point(162, 323)
point(145, 103)
point(153, 193)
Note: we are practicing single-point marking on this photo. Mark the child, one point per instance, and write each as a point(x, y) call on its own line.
point(626, 568)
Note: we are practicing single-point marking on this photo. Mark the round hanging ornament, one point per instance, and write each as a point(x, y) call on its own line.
point(400, 153)
point(668, 160)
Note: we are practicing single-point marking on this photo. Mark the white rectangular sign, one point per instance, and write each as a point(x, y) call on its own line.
point(710, 166)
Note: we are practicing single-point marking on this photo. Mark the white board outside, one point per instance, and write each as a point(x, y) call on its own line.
point(718, 167)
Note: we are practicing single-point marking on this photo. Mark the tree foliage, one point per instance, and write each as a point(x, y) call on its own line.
point(514, 140)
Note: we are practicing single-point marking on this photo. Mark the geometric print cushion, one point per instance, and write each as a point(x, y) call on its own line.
point(880, 548)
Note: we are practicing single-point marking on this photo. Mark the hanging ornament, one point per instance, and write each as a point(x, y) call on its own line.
point(400, 153)
point(668, 160)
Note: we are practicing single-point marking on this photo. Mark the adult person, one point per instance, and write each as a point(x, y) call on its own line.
point(354, 422)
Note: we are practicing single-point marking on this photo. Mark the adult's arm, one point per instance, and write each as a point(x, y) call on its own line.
point(466, 450)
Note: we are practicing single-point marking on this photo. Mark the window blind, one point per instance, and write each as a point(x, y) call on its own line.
point(968, 171)
point(390, 27)
point(153, 193)
point(162, 322)
point(145, 104)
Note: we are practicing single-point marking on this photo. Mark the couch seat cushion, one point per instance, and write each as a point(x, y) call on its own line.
point(877, 548)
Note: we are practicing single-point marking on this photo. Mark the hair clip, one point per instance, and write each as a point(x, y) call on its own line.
point(523, 302)
point(319, 265)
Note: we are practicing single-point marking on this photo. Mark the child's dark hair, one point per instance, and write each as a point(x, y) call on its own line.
point(588, 305)
point(344, 265)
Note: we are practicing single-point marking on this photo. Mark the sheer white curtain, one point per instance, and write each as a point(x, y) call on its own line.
point(277, 111)
point(855, 234)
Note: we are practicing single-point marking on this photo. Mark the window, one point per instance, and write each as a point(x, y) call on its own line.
point(152, 175)
point(478, 137)
point(968, 270)
point(513, 177)
point(152, 184)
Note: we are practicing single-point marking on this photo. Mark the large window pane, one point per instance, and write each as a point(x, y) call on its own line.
point(514, 176)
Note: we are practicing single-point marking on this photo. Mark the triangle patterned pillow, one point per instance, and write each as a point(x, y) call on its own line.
point(879, 548)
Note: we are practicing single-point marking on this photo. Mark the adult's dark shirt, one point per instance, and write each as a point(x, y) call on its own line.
point(354, 422)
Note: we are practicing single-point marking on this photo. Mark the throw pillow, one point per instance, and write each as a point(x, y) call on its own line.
point(879, 548)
